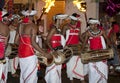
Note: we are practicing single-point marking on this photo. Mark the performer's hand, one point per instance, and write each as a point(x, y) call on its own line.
point(48, 55)
point(55, 54)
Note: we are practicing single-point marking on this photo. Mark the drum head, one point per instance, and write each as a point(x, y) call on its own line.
point(68, 52)
point(44, 60)
point(60, 58)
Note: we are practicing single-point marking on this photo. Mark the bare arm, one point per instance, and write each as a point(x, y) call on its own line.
point(33, 39)
point(52, 31)
point(80, 37)
point(7, 37)
point(85, 39)
point(16, 41)
point(64, 29)
point(106, 38)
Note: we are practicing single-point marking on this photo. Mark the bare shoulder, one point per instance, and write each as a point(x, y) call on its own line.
point(4, 29)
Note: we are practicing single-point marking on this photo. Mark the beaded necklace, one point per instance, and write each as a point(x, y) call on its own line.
point(94, 33)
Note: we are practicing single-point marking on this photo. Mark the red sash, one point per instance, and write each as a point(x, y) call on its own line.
point(2, 46)
point(25, 48)
point(56, 40)
point(95, 43)
point(73, 37)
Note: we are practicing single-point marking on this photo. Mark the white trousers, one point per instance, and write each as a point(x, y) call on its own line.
point(98, 72)
point(4, 72)
point(75, 68)
point(53, 74)
point(28, 68)
point(13, 65)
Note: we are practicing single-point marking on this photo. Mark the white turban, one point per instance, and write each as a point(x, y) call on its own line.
point(73, 18)
point(93, 21)
point(4, 12)
point(29, 13)
point(61, 16)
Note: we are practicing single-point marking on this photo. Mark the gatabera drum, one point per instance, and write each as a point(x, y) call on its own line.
point(43, 60)
point(96, 55)
point(76, 49)
point(63, 56)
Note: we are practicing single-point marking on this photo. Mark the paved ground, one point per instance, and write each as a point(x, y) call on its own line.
point(112, 79)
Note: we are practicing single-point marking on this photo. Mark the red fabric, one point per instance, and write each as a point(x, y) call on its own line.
point(0, 15)
point(78, 24)
point(101, 28)
point(2, 46)
point(25, 20)
point(116, 28)
point(56, 41)
point(0, 18)
point(73, 37)
point(3, 76)
point(2, 49)
point(95, 43)
point(25, 49)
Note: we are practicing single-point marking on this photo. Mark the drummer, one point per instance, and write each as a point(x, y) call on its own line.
point(13, 62)
point(72, 33)
point(4, 35)
point(55, 42)
point(26, 38)
point(98, 71)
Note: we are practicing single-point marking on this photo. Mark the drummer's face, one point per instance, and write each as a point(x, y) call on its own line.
point(73, 22)
point(93, 26)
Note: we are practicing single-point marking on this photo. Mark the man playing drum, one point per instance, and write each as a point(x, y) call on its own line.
point(26, 37)
point(97, 71)
point(72, 34)
point(55, 41)
point(13, 61)
point(4, 35)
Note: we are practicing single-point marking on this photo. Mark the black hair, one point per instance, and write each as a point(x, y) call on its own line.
point(0, 9)
point(74, 14)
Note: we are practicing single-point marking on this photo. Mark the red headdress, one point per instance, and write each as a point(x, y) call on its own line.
point(25, 20)
point(0, 15)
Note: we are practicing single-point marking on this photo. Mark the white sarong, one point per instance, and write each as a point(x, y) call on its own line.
point(98, 72)
point(4, 72)
point(12, 36)
point(29, 69)
point(13, 65)
point(53, 74)
point(75, 68)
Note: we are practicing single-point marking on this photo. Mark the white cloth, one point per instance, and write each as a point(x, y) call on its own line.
point(53, 74)
point(8, 50)
point(75, 68)
point(63, 42)
point(29, 69)
point(39, 40)
point(98, 71)
point(67, 34)
point(4, 72)
point(12, 36)
point(13, 65)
